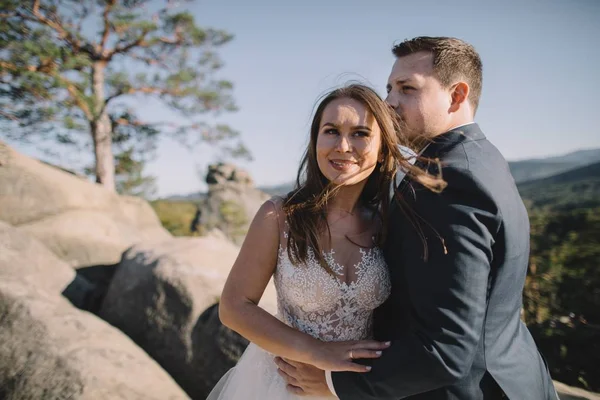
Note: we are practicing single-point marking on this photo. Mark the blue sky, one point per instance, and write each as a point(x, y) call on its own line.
point(541, 72)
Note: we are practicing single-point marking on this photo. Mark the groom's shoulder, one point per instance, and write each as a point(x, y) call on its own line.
point(474, 155)
point(474, 163)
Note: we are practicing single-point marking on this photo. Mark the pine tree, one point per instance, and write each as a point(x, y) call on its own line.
point(68, 67)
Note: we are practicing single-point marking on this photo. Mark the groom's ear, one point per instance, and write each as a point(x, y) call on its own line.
point(459, 94)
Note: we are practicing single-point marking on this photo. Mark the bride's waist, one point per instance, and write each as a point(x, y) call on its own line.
point(330, 330)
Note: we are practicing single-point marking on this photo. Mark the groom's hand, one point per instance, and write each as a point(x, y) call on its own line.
point(303, 379)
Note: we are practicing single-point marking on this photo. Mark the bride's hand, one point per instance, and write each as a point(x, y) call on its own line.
point(338, 356)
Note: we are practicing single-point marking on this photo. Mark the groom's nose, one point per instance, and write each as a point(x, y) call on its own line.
point(393, 107)
point(392, 100)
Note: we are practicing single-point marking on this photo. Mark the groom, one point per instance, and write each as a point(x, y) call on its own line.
point(457, 260)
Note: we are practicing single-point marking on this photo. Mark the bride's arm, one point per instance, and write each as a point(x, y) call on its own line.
point(245, 286)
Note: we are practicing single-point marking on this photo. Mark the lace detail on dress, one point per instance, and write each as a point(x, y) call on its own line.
point(322, 305)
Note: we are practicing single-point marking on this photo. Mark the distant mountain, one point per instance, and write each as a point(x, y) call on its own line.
point(576, 188)
point(527, 170)
point(522, 171)
point(578, 157)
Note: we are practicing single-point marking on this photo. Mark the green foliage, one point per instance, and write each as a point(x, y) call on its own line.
point(47, 61)
point(572, 350)
point(235, 219)
point(565, 250)
point(576, 258)
point(175, 216)
point(130, 178)
point(562, 292)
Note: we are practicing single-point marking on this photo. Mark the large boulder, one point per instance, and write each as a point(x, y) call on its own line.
point(89, 237)
point(56, 206)
point(157, 296)
point(51, 350)
point(231, 202)
point(223, 173)
point(27, 260)
point(24, 258)
point(216, 349)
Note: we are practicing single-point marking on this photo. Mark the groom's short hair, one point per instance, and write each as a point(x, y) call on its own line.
point(453, 60)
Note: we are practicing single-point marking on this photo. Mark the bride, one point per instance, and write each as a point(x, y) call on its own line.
point(321, 244)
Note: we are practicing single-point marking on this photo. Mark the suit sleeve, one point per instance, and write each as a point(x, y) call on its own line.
point(447, 290)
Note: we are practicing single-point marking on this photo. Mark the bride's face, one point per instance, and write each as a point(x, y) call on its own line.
point(348, 143)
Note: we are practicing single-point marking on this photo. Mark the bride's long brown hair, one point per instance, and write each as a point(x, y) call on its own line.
point(305, 206)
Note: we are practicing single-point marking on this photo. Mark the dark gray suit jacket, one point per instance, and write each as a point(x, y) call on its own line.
point(458, 262)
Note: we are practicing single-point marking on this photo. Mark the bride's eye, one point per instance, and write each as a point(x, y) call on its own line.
point(330, 131)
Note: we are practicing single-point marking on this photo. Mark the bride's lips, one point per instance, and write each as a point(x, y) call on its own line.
point(342, 165)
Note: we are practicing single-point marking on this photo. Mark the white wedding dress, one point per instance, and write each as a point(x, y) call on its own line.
point(330, 308)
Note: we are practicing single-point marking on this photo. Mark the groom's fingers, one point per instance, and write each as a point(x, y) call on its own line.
point(285, 368)
point(284, 365)
point(296, 390)
point(298, 364)
point(288, 378)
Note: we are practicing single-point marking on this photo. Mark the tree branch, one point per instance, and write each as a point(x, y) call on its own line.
point(8, 116)
point(63, 34)
point(178, 39)
point(13, 67)
point(126, 122)
point(143, 43)
point(109, 5)
point(157, 60)
point(139, 42)
point(82, 105)
point(110, 98)
point(145, 90)
point(69, 85)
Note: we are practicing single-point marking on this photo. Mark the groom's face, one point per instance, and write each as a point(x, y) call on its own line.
point(418, 96)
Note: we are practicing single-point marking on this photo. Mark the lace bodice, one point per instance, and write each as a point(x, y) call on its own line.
point(325, 306)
